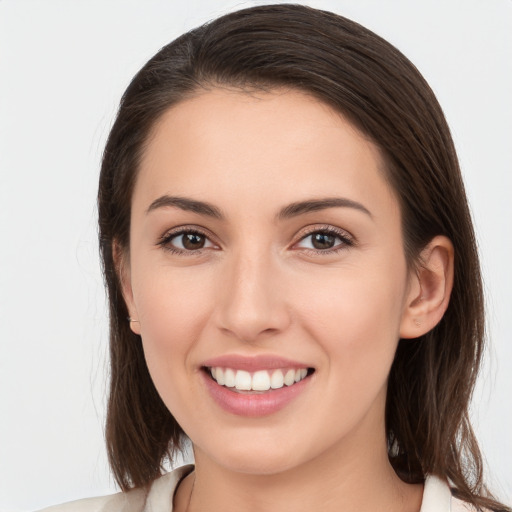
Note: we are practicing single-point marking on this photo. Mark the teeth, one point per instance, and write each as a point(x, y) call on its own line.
point(289, 378)
point(243, 380)
point(277, 380)
point(262, 380)
point(219, 376)
point(229, 378)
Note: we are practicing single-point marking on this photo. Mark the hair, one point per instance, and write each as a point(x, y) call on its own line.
point(376, 88)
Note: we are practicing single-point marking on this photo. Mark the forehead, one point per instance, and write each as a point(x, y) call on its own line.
point(280, 145)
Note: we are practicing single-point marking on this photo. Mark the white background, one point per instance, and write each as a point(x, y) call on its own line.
point(63, 67)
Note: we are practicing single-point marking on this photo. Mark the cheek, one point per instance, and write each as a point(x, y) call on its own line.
point(355, 316)
point(173, 310)
point(168, 301)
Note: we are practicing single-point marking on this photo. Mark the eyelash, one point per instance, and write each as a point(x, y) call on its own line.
point(347, 240)
point(165, 240)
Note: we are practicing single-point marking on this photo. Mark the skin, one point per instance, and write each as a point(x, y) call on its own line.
point(260, 287)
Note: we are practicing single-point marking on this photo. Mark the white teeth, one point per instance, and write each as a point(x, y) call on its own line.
point(243, 381)
point(289, 378)
point(262, 380)
point(219, 376)
point(229, 378)
point(277, 380)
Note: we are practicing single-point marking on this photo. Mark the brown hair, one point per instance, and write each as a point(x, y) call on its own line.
point(378, 89)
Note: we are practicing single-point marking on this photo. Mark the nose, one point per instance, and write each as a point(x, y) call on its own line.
point(252, 303)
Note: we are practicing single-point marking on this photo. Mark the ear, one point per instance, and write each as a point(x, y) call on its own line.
point(122, 265)
point(429, 289)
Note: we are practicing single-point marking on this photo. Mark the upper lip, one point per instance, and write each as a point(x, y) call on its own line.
point(253, 363)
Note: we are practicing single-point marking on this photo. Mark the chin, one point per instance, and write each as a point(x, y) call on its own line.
point(261, 458)
point(257, 464)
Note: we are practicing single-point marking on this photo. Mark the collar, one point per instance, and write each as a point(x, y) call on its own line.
point(437, 496)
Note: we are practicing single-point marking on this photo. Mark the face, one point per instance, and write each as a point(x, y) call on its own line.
point(266, 249)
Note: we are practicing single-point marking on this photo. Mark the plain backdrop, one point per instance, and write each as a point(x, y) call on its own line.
point(63, 67)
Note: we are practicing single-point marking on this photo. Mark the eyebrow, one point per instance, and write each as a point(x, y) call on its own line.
point(314, 205)
point(183, 203)
point(289, 211)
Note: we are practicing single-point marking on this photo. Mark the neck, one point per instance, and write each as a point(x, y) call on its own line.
point(339, 480)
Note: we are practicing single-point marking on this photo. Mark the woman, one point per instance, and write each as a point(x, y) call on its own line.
point(292, 275)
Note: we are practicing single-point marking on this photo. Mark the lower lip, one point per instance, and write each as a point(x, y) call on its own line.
point(253, 405)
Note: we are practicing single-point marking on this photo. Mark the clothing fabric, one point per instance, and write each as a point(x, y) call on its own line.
point(159, 497)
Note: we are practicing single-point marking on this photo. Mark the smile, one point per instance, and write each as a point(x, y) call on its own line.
point(261, 380)
point(255, 386)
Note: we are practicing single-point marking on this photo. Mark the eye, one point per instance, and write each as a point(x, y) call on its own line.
point(186, 240)
point(325, 240)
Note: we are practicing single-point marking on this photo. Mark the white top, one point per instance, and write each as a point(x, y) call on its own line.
point(436, 497)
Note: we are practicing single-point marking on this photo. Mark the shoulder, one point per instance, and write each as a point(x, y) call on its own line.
point(437, 497)
point(461, 506)
point(131, 501)
point(156, 497)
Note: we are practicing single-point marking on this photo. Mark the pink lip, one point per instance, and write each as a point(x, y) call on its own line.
point(253, 404)
point(254, 363)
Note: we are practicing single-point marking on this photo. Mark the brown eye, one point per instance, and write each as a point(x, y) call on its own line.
point(326, 241)
point(192, 241)
point(186, 241)
point(323, 240)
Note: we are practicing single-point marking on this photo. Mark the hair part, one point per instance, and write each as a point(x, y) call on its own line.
point(375, 87)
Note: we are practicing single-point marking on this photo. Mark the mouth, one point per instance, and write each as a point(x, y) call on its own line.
point(261, 381)
point(256, 386)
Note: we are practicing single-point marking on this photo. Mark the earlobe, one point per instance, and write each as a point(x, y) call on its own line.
point(122, 266)
point(429, 290)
